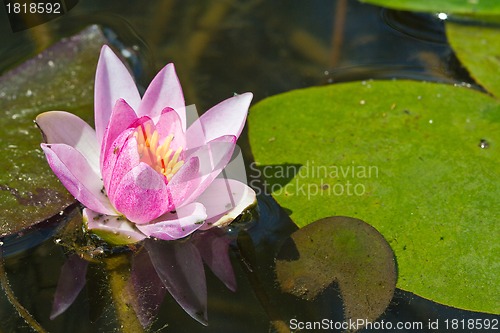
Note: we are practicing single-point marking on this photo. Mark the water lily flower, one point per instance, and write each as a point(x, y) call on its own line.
point(142, 173)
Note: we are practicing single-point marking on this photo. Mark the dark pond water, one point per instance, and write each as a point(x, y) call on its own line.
point(219, 48)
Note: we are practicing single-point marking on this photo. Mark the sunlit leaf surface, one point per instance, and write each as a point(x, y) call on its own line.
point(60, 78)
point(418, 161)
point(478, 48)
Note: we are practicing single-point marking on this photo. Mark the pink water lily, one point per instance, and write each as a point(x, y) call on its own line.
point(141, 173)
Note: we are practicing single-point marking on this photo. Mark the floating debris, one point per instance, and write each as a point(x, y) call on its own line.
point(483, 144)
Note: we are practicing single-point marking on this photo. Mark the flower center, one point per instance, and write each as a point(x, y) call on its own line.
point(160, 157)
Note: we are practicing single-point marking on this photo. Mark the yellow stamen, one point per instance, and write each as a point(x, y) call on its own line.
point(158, 156)
point(160, 151)
point(167, 154)
point(177, 166)
point(154, 139)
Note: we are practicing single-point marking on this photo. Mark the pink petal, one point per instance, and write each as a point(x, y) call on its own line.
point(236, 169)
point(122, 117)
point(112, 81)
point(71, 282)
point(213, 246)
point(122, 157)
point(180, 268)
point(141, 195)
point(164, 91)
point(65, 127)
point(226, 118)
point(184, 182)
point(170, 124)
point(178, 224)
point(75, 173)
point(213, 157)
point(225, 199)
point(113, 229)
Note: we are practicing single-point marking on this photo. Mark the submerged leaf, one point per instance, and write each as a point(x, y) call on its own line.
point(61, 77)
point(340, 250)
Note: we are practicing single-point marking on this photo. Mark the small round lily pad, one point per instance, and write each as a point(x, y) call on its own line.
point(345, 251)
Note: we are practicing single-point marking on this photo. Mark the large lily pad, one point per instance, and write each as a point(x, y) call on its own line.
point(418, 161)
point(470, 7)
point(340, 250)
point(60, 78)
point(478, 48)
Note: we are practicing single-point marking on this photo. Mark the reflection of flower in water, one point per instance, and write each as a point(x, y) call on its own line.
point(179, 267)
point(176, 266)
point(141, 173)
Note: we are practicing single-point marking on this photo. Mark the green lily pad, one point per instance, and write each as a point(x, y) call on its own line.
point(418, 161)
point(340, 250)
point(469, 7)
point(60, 78)
point(478, 48)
